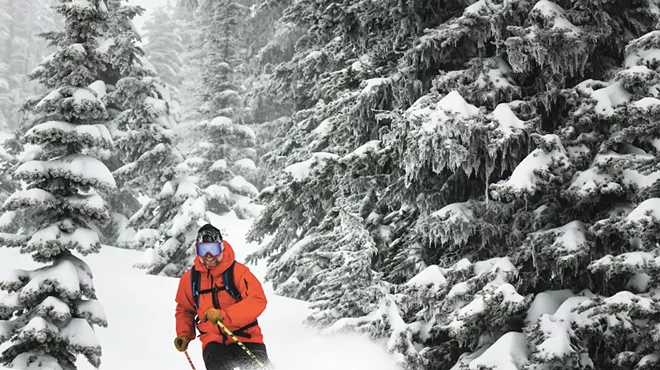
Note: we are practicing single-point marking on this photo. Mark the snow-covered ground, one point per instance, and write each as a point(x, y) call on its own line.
point(140, 312)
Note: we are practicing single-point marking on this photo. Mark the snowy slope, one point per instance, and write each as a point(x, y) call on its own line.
point(140, 312)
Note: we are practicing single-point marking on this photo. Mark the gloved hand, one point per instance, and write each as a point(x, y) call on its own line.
point(213, 315)
point(181, 343)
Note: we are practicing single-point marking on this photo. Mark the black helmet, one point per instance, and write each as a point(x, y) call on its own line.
point(208, 233)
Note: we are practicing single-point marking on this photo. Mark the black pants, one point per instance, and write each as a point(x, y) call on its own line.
point(218, 356)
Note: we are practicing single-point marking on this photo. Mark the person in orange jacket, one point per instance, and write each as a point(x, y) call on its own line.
point(220, 352)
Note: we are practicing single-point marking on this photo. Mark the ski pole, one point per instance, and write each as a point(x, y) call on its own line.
point(189, 360)
point(240, 344)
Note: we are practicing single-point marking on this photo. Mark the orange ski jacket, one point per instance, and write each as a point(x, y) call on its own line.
point(239, 316)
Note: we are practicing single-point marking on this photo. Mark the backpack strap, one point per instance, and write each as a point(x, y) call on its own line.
point(194, 286)
point(230, 284)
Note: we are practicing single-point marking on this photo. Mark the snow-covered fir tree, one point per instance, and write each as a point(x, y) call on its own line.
point(142, 122)
point(47, 317)
point(164, 46)
point(220, 140)
point(221, 61)
point(270, 42)
point(188, 30)
point(219, 168)
point(501, 162)
point(172, 219)
point(224, 161)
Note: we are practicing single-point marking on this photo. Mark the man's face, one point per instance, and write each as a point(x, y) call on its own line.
point(210, 261)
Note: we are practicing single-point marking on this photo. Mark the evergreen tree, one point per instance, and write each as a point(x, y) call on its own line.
point(172, 219)
point(189, 5)
point(186, 19)
point(164, 48)
point(270, 42)
point(142, 121)
point(48, 315)
point(221, 61)
point(220, 170)
point(500, 162)
point(223, 161)
point(220, 140)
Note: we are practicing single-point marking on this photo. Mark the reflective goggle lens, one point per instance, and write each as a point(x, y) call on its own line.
point(212, 248)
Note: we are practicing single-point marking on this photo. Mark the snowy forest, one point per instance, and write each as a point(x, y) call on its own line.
point(471, 184)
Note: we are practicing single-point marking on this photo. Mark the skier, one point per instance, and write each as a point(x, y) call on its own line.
point(219, 278)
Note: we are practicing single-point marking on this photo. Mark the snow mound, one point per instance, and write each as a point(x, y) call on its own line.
point(300, 171)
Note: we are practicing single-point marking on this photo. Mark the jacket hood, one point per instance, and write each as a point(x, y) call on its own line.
point(228, 257)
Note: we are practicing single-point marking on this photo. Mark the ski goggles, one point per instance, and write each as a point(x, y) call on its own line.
point(212, 248)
